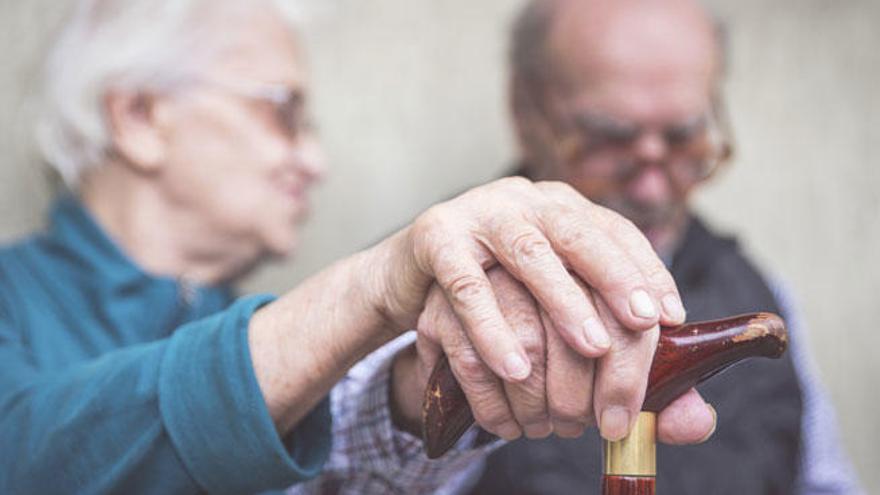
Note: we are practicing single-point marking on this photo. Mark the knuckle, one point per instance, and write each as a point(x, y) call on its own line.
point(514, 183)
point(572, 237)
point(525, 320)
point(559, 188)
point(529, 402)
point(491, 414)
point(623, 274)
point(536, 351)
point(465, 290)
point(620, 224)
point(431, 228)
point(658, 277)
point(437, 312)
point(476, 196)
point(569, 409)
point(530, 249)
point(469, 366)
point(625, 384)
point(430, 219)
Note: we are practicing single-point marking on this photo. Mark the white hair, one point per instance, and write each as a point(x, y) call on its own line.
point(150, 45)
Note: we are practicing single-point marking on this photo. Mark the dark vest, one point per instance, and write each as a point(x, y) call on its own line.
point(755, 448)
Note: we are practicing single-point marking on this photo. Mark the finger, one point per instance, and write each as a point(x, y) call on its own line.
point(484, 392)
point(687, 420)
point(622, 375)
point(569, 386)
point(471, 297)
point(527, 254)
point(584, 235)
point(527, 399)
point(481, 387)
point(661, 285)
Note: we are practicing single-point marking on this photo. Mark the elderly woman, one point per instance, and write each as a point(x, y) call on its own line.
point(129, 367)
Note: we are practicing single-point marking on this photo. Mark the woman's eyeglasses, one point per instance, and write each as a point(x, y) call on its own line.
point(287, 104)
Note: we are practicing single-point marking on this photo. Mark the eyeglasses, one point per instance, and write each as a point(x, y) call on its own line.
point(604, 147)
point(287, 104)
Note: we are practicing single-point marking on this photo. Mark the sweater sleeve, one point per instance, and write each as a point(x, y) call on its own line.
point(825, 467)
point(179, 415)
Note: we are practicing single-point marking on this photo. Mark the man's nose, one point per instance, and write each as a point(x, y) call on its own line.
point(651, 186)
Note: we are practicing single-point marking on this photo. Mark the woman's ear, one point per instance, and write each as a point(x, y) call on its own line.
point(135, 127)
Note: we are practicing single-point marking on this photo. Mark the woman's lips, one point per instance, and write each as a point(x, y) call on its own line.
point(297, 193)
point(295, 187)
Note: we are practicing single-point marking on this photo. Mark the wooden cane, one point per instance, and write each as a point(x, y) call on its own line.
point(685, 356)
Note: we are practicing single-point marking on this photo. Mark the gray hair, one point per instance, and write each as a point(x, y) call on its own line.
point(150, 45)
point(529, 60)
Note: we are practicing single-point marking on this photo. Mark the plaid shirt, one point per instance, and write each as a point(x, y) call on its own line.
point(371, 456)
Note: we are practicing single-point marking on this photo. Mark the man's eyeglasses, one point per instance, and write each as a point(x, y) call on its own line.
point(604, 146)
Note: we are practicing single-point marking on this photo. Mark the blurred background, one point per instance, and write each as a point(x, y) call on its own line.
point(410, 97)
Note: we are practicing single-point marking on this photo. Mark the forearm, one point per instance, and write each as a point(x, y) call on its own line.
point(182, 414)
point(89, 431)
point(303, 343)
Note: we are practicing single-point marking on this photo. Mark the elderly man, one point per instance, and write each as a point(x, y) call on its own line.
point(620, 99)
point(128, 367)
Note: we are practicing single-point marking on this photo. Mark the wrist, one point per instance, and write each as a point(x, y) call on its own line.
point(365, 295)
point(397, 286)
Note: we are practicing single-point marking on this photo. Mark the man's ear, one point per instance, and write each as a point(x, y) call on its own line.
point(135, 127)
point(535, 134)
point(541, 141)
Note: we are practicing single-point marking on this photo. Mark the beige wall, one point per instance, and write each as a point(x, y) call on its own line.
point(410, 98)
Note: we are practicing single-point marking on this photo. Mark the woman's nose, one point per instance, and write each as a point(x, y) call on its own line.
point(310, 159)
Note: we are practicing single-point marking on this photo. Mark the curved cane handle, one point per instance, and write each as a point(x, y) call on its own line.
point(686, 355)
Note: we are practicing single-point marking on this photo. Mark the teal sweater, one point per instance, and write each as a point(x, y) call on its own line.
point(116, 381)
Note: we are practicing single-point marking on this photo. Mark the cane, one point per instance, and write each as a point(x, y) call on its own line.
point(686, 355)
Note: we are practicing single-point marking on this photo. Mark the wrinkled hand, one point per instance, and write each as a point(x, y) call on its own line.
point(537, 232)
point(565, 391)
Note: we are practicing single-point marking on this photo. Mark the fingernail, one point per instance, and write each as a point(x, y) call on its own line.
point(509, 431)
point(672, 306)
point(641, 305)
point(614, 423)
point(516, 367)
point(714, 423)
point(596, 334)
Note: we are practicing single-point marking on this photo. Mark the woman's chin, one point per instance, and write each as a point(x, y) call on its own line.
point(283, 249)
